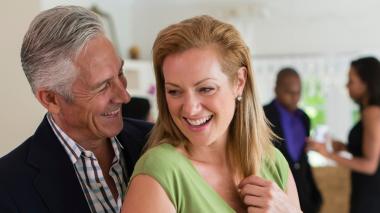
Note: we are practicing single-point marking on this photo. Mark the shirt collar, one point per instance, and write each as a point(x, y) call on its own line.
point(74, 150)
point(283, 110)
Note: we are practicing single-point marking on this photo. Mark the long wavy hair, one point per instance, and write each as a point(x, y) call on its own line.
point(249, 138)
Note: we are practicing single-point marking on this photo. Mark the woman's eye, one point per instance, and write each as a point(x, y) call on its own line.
point(207, 90)
point(173, 92)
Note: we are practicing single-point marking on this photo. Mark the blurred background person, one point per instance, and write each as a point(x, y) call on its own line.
point(292, 125)
point(364, 138)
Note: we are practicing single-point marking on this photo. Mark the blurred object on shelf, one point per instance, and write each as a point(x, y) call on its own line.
point(134, 52)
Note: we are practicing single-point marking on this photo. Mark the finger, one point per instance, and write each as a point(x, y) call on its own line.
point(254, 190)
point(261, 202)
point(254, 180)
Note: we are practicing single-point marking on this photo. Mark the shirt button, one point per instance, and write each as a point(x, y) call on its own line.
point(296, 166)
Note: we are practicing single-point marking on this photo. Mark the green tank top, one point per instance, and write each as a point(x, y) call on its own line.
point(186, 188)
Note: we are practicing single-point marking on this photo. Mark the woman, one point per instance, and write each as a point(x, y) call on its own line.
point(364, 138)
point(210, 149)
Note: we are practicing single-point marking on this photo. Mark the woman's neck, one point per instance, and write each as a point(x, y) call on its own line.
point(211, 154)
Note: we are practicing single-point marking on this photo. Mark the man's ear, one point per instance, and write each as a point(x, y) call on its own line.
point(241, 79)
point(48, 99)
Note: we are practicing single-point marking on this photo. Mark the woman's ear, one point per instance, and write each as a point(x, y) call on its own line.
point(240, 81)
point(48, 99)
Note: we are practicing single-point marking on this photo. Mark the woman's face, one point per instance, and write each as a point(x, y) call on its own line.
point(356, 87)
point(200, 97)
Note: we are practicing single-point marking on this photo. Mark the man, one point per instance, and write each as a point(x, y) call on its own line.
point(292, 125)
point(83, 152)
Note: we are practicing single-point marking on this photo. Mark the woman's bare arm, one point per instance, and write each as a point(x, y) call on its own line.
point(369, 163)
point(145, 195)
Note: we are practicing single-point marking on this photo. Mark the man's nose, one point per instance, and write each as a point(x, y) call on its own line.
point(121, 94)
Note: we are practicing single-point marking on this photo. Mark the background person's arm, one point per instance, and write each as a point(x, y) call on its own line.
point(146, 195)
point(369, 162)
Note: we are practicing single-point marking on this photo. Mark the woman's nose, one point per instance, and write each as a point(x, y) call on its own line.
point(191, 105)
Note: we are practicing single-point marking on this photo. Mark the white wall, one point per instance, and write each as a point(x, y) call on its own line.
point(270, 27)
point(120, 11)
point(20, 112)
point(323, 26)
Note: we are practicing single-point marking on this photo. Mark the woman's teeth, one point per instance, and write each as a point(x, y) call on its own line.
point(199, 122)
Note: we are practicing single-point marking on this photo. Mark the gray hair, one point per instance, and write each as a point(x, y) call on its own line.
point(53, 41)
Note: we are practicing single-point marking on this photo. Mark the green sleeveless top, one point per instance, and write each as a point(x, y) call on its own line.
point(186, 188)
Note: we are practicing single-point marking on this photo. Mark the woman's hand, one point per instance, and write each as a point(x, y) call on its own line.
point(338, 146)
point(318, 147)
point(262, 195)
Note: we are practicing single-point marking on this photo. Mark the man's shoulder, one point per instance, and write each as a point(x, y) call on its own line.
point(271, 112)
point(130, 123)
point(135, 132)
point(15, 161)
point(136, 127)
point(303, 114)
point(269, 106)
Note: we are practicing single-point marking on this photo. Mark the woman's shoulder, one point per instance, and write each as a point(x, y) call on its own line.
point(372, 110)
point(276, 168)
point(160, 157)
point(371, 115)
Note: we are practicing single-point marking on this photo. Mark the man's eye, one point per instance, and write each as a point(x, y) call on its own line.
point(104, 86)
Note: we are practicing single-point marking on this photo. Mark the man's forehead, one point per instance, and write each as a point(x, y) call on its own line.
point(290, 80)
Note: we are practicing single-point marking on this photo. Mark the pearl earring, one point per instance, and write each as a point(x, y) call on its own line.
point(238, 98)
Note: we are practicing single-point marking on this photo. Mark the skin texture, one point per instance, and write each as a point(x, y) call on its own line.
point(196, 88)
point(94, 115)
point(367, 164)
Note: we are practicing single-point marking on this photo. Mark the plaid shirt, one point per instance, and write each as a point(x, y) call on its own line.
point(89, 173)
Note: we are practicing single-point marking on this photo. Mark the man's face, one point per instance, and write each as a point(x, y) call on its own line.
point(288, 92)
point(98, 91)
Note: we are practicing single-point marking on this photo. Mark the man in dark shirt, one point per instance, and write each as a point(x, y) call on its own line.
point(292, 125)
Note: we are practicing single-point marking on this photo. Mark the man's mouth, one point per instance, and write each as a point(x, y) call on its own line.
point(112, 113)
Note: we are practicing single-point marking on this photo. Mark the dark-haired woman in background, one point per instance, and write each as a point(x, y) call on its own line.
point(364, 138)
